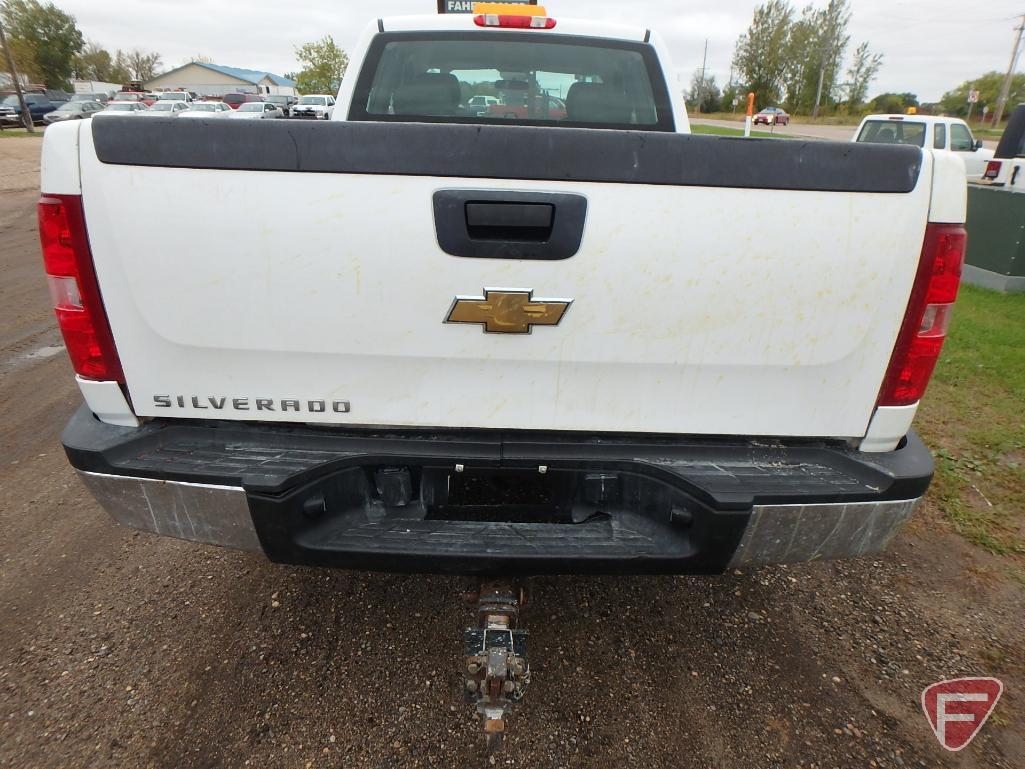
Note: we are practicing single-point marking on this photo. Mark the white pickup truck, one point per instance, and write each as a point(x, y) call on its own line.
point(544, 342)
point(940, 133)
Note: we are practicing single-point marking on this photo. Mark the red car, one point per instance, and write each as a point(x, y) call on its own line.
point(556, 110)
point(236, 100)
point(772, 116)
point(139, 96)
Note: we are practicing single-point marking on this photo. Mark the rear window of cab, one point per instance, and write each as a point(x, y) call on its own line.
point(529, 79)
point(893, 132)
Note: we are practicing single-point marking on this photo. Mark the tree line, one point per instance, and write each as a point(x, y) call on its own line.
point(795, 59)
point(48, 48)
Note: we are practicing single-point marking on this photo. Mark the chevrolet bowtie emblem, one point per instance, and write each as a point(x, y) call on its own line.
point(508, 311)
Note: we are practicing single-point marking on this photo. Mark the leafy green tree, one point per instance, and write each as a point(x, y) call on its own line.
point(120, 72)
point(94, 63)
point(704, 95)
point(760, 56)
point(323, 65)
point(800, 69)
point(831, 44)
point(893, 103)
point(50, 32)
point(24, 56)
point(732, 98)
point(955, 102)
point(863, 70)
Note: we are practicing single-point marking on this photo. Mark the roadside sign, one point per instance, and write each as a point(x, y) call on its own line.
point(973, 97)
point(466, 6)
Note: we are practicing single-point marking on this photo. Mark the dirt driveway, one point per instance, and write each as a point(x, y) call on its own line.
point(118, 649)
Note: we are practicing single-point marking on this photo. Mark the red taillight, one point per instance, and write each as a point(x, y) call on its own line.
point(76, 295)
point(515, 22)
point(992, 169)
point(928, 316)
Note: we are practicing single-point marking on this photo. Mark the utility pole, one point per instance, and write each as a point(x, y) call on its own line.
point(1005, 90)
point(701, 88)
point(26, 116)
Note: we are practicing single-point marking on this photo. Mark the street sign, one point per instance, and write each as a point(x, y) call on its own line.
point(466, 6)
point(973, 97)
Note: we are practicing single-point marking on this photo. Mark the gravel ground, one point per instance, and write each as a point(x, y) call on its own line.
point(121, 649)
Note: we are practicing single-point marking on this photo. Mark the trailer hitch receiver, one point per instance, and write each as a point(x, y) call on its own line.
point(497, 668)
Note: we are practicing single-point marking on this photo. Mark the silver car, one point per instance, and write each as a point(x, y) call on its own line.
point(208, 109)
point(258, 110)
point(123, 108)
point(166, 109)
point(73, 110)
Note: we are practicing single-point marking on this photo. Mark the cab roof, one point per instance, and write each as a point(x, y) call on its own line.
point(897, 118)
point(464, 22)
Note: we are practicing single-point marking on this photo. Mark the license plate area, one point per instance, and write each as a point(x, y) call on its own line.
point(499, 496)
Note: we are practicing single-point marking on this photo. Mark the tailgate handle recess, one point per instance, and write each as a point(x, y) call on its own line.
point(505, 224)
point(510, 221)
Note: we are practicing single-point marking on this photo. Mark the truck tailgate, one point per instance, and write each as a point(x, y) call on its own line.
point(294, 273)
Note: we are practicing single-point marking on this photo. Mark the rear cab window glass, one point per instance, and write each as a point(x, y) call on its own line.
point(939, 140)
point(512, 78)
point(893, 132)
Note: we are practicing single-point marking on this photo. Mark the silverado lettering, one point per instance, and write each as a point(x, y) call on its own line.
point(246, 404)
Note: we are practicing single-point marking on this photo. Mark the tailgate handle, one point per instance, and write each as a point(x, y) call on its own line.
point(498, 224)
point(510, 221)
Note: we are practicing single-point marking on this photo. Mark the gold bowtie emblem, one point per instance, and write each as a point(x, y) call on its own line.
point(503, 311)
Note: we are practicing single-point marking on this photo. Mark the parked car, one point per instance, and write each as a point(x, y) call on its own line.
point(73, 110)
point(236, 100)
point(165, 109)
point(38, 106)
point(175, 96)
point(315, 107)
point(140, 96)
point(479, 105)
point(102, 98)
point(258, 110)
point(58, 97)
point(544, 108)
point(282, 100)
point(122, 108)
point(772, 116)
point(942, 134)
point(336, 378)
point(208, 109)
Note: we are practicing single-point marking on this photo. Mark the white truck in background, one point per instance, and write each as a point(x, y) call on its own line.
point(542, 343)
point(938, 133)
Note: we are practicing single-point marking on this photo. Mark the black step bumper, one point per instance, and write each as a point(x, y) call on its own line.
point(397, 501)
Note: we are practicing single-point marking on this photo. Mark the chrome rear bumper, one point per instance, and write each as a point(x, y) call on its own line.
point(212, 515)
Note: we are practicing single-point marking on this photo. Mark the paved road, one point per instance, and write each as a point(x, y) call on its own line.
point(118, 649)
point(835, 133)
point(832, 132)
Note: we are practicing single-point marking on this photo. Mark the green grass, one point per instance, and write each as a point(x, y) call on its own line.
point(13, 133)
point(723, 131)
point(974, 418)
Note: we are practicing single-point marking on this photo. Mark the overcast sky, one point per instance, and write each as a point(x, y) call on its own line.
point(930, 46)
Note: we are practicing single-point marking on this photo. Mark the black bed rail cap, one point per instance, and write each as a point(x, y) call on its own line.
point(508, 152)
